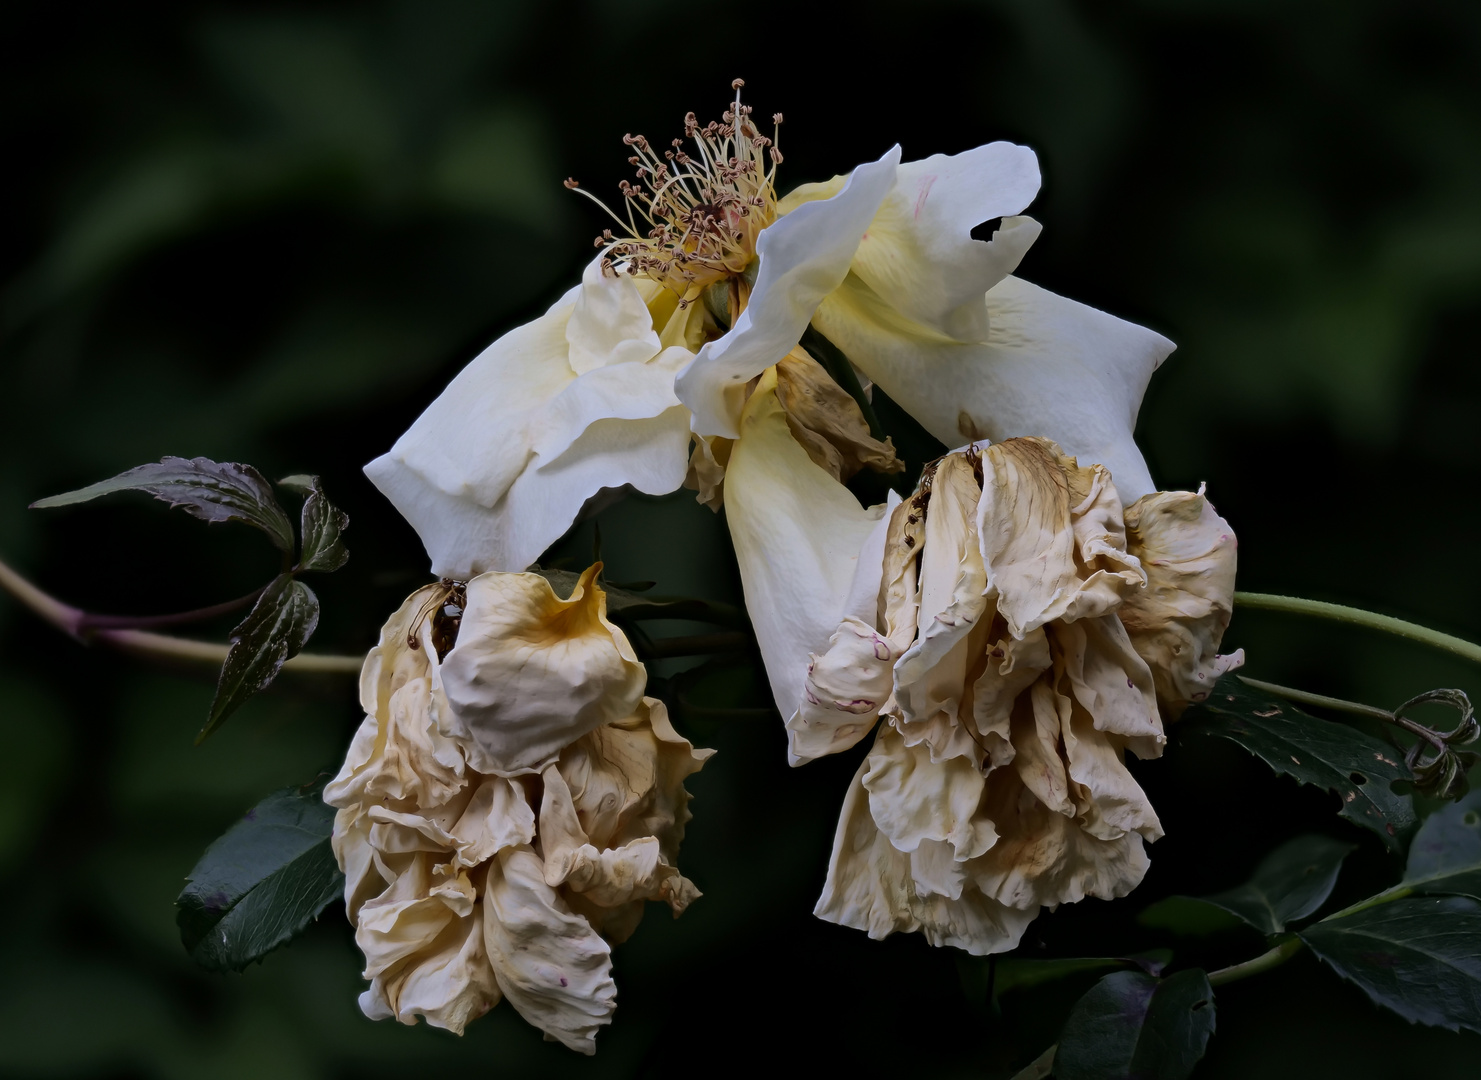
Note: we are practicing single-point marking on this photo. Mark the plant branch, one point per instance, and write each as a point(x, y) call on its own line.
point(74, 622)
point(89, 622)
point(1259, 965)
point(1321, 700)
point(1320, 609)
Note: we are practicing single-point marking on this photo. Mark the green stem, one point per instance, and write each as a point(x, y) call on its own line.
point(1321, 700)
point(1398, 892)
point(1296, 605)
point(1260, 964)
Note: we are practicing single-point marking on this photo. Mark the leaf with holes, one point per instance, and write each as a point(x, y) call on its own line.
point(1445, 857)
point(261, 883)
point(1421, 958)
point(321, 526)
point(1358, 767)
point(1130, 1024)
point(206, 489)
point(276, 628)
point(1289, 884)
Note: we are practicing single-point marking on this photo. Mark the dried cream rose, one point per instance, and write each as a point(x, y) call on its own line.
point(994, 648)
point(507, 806)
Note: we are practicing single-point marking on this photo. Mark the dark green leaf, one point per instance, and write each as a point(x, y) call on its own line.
point(1289, 884)
point(209, 490)
point(1132, 1025)
point(1358, 767)
point(276, 628)
point(1188, 916)
point(321, 548)
point(1446, 854)
point(261, 883)
point(1420, 957)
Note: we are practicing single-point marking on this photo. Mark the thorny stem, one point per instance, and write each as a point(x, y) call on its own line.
point(1296, 605)
point(78, 624)
point(1260, 964)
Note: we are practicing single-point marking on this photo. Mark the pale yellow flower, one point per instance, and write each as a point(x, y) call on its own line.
point(994, 647)
point(508, 805)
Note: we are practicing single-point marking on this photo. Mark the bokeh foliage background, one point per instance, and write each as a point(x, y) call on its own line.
point(271, 233)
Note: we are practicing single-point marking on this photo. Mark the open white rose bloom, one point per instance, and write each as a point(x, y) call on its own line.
point(711, 282)
point(1022, 631)
point(507, 807)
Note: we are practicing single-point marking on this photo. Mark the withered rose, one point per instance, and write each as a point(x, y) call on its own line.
point(1023, 630)
point(507, 807)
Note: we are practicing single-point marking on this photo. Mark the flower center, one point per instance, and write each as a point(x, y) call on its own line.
point(692, 220)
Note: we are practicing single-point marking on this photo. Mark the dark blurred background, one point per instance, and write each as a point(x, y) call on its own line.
point(271, 233)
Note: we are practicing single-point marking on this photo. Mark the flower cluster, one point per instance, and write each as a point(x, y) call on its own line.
point(507, 807)
point(1016, 655)
point(1035, 611)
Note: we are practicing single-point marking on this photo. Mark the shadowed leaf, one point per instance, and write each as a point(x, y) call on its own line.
point(261, 883)
point(1358, 767)
point(209, 490)
point(322, 524)
point(1445, 857)
point(1131, 1024)
point(1289, 884)
point(276, 628)
point(1421, 958)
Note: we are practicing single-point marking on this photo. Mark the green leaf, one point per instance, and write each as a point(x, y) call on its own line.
point(209, 490)
point(1289, 884)
point(276, 628)
point(1446, 854)
point(321, 548)
point(1358, 767)
point(1420, 958)
point(1188, 916)
point(1132, 1025)
point(262, 882)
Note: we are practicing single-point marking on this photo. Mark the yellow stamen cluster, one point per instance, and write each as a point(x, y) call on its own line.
point(703, 212)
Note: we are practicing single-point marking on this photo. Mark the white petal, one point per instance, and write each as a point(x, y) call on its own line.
point(610, 323)
point(650, 455)
point(462, 454)
point(531, 673)
point(1049, 367)
point(550, 964)
point(797, 535)
point(919, 255)
point(634, 390)
point(497, 817)
point(803, 257)
point(497, 468)
point(450, 985)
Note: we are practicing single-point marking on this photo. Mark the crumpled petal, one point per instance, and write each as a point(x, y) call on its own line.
point(871, 887)
point(551, 965)
point(828, 422)
point(1040, 520)
point(1189, 554)
point(797, 534)
point(933, 675)
point(802, 258)
point(531, 673)
point(495, 469)
point(1049, 367)
point(400, 751)
point(845, 690)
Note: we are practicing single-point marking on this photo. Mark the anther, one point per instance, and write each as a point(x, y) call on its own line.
point(571, 184)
